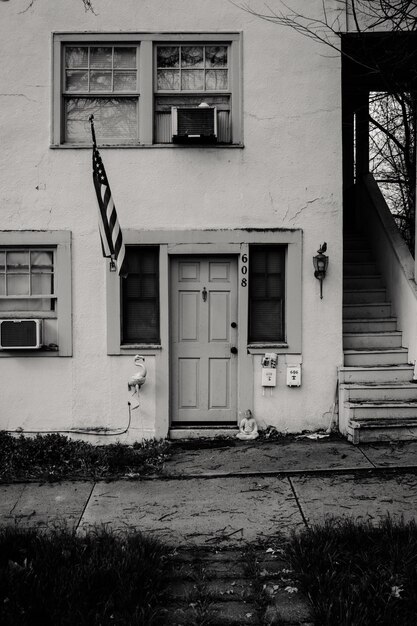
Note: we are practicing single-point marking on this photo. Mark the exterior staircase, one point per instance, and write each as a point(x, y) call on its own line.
point(377, 398)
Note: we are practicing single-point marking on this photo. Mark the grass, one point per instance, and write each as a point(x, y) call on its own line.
point(56, 457)
point(61, 579)
point(357, 574)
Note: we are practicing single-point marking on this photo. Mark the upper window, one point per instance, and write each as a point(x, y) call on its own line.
point(266, 294)
point(103, 81)
point(132, 82)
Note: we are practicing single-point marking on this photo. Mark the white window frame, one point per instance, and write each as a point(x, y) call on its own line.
point(60, 242)
point(146, 43)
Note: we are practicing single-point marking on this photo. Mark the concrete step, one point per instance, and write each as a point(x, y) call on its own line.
point(384, 411)
point(355, 269)
point(357, 256)
point(377, 375)
point(370, 325)
point(374, 281)
point(355, 242)
point(372, 341)
point(374, 430)
point(366, 310)
point(363, 358)
point(377, 393)
point(357, 296)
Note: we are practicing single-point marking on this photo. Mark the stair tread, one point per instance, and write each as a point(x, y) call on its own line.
point(373, 350)
point(391, 404)
point(355, 368)
point(372, 320)
point(373, 333)
point(388, 385)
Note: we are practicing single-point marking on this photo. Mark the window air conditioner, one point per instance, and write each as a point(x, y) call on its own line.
point(20, 334)
point(194, 124)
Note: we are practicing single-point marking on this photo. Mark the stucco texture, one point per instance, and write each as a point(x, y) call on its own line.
point(288, 175)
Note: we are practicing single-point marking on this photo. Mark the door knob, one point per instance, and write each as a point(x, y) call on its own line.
point(233, 350)
point(233, 325)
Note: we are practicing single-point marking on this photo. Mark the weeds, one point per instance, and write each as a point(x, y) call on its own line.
point(60, 579)
point(358, 574)
point(55, 457)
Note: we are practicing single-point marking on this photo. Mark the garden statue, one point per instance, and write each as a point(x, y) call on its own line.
point(248, 428)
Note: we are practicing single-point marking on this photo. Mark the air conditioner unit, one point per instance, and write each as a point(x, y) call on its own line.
point(20, 334)
point(194, 124)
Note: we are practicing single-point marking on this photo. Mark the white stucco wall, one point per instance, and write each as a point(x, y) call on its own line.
point(288, 175)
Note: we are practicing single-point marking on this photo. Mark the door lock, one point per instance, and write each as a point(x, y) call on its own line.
point(233, 350)
point(204, 294)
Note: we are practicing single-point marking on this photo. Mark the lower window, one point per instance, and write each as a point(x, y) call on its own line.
point(266, 293)
point(140, 296)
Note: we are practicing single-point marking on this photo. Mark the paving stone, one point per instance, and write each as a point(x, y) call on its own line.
point(302, 454)
point(288, 608)
point(41, 505)
point(9, 498)
point(401, 454)
point(214, 512)
point(222, 613)
point(211, 570)
point(218, 589)
point(361, 497)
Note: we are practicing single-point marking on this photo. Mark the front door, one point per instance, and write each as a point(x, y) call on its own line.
point(203, 340)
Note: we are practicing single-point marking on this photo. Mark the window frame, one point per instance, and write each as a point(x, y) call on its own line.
point(146, 43)
point(60, 242)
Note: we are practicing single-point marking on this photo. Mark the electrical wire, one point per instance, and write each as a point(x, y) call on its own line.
point(76, 431)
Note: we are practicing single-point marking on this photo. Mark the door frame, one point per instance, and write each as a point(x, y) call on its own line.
point(235, 360)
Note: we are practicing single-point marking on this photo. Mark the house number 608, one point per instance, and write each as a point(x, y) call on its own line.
point(244, 270)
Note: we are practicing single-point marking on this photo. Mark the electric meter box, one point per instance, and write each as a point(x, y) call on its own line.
point(294, 375)
point(269, 377)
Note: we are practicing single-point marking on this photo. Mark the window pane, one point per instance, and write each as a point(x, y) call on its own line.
point(192, 56)
point(216, 56)
point(124, 57)
point(216, 79)
point(192, 80)
point(168, 56)
point(2, 261)
point(18, 261)
point(275, 286)
point(100, 81)
point(2, 285)
point(18, 285)
point(101, 57)
point(76, 80)
point(41, 261)
point(124, 81)
point(168, 79)
point(116, 119)
point(76, 56)
point(266, 321)
point(141, 323)
point(42, 284)
point(35, 304)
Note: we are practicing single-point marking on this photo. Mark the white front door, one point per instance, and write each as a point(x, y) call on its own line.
point(203, 340)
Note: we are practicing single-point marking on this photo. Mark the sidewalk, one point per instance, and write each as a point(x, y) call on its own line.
point(230, 495)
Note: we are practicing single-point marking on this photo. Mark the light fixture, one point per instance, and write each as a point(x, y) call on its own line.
point(321, 262)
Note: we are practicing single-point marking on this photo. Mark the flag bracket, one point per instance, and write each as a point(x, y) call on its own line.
point(112, 265)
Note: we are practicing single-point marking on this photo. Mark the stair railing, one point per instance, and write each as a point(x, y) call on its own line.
point(394, 260)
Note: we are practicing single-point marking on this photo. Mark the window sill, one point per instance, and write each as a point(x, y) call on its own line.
point(172, 146)
point(145, 348)
point(261, 348)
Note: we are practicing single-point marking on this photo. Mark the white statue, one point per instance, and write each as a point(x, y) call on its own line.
point(248, 428)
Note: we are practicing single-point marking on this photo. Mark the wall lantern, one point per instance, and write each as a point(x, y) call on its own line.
point(320, 262)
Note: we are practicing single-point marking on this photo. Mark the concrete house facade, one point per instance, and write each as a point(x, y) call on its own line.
point(219, 236)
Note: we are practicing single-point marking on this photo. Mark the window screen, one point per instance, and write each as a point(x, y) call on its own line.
point(140, 296)
point(266, 293)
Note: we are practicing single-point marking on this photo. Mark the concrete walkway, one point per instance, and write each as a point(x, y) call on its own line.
point(227, 496)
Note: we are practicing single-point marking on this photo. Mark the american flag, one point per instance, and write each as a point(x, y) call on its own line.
point(110, 231)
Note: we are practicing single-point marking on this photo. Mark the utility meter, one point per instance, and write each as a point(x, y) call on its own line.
point(269, 369)
point(294, 375)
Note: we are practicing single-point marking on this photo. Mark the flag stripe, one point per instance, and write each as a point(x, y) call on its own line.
point(109, 227)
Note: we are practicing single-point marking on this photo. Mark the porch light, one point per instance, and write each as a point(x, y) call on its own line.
point(321, 262)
